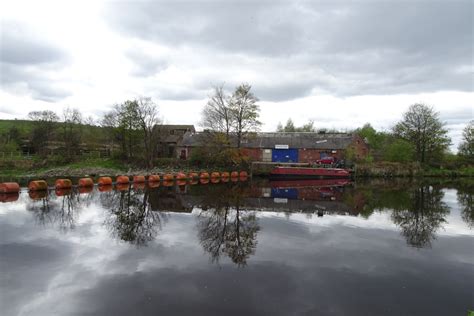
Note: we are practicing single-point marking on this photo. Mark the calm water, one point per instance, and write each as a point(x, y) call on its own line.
point(300, 248)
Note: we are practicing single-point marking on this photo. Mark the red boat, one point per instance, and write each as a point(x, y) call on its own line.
point(308, 173)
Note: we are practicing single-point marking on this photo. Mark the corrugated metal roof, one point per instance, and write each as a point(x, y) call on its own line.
point(269, 140)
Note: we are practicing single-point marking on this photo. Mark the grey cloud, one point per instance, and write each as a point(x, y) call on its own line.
point(146, 65)
point(21, 46)
point(351, 48)
point(27, 63)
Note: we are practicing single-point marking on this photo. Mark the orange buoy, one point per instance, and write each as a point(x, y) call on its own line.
point(9, 187)
point(215, 180)
point(122, 186)
point(38, 195)
point(86, 182)
point(139, 185)
point(9, 197)
point(234, 174)
point(168, 177)
point(86, 189)
point(234, 179)
point(168, 183)
point(215, 175)
point(154, 178)
point(63, 191)
point(225, 174)
point(122, 180)
point(225, 179)
point(139, 179)
point(243, 174)
point(37, 185)
point(181, 176)
point(154, 184)
point(105, 187)
point(105, 181)
point(204, 175)
point(193, 175)
point(204, 180)
point(181, 182)
point(193, 181)
point(63, 184)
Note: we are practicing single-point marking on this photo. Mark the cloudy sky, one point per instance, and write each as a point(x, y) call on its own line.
point(339, 63)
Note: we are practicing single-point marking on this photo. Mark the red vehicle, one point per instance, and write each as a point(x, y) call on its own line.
point(326, 161)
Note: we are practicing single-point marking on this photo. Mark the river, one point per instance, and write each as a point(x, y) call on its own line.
point(383, 247)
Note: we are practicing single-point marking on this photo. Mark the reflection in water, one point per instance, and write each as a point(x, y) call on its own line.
point(60, 209)
point(132, 217)
point(464, 194)
point(227, 218)
point(425, 213)
point(225, 228)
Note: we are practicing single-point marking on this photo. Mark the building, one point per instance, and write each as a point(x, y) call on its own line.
point(288, 147)
point(169, 136)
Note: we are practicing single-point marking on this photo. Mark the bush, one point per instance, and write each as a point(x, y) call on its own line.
point(399, 151)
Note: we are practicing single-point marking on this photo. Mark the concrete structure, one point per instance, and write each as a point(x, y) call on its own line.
point(287, 147)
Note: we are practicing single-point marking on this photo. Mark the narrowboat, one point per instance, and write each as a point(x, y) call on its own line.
point(309, 173)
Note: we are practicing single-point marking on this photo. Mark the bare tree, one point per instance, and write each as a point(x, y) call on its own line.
point(147, 116)
point(244, 111)
point(71, 130)
point(216, 115)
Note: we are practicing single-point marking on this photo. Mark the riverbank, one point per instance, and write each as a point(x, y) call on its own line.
point(111, 167)
point(408, 170)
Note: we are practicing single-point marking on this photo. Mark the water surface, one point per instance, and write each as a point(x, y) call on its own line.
point(257, 248)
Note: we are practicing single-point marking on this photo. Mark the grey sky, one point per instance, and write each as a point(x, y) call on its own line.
point(301, 57)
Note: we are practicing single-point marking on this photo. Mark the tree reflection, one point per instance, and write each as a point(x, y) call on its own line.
point(61, 208)
point(225, 228)
point(132, 218)
point(464, 195)
point(424, 215)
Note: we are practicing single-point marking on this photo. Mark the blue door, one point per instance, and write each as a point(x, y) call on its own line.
point(285, 155)
point(288, 193)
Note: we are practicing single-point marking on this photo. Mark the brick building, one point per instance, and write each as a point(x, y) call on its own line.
point(288, 147)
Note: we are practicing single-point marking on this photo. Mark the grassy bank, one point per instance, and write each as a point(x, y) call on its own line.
point(408, 170)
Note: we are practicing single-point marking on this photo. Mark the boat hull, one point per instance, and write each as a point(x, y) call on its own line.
point(297, 173)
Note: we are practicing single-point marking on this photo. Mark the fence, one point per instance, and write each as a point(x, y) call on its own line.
point(11, 156)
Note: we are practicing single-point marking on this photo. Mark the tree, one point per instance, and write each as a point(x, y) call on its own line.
point(399, 151)
point(466, 148)
point(43, 128)
point(71, 131)
point(290, 127)
point(216, 114)
point(422, 127)
point(244, 112)
point(147, 115)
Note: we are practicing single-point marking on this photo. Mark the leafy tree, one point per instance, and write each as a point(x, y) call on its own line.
point(466, 148)
point(399, 151)
point(244, 111)
point(422, 127)
point(216, 114)
point(43, 129)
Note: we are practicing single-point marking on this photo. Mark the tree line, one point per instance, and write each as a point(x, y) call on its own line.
point(132, 132)
point(419, 136)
